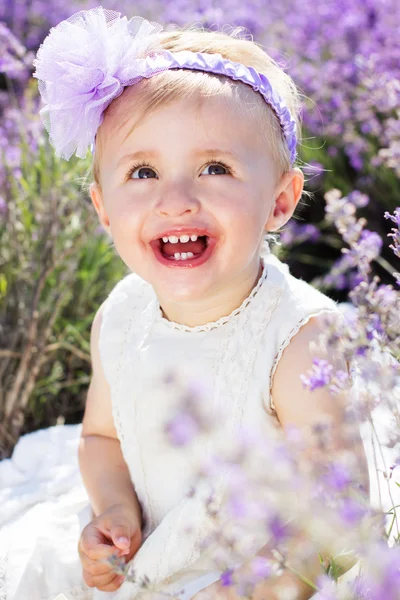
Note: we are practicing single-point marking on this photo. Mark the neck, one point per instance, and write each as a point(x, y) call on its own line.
point(217, 306)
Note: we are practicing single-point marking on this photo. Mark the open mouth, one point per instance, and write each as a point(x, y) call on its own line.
point(186, 250)
point(193, 248)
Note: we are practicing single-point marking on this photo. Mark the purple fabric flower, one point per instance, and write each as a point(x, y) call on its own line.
point(82, 65)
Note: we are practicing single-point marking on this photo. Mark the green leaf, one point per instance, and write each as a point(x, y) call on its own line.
point(3, 285)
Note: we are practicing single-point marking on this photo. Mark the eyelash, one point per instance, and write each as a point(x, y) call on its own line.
point(229, 171)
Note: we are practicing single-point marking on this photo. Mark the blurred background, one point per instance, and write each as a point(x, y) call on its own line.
point(56, 263)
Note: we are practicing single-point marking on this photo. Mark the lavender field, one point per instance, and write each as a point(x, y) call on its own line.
point(57, 265)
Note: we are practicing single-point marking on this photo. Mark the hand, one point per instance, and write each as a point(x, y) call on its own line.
point(116, 532)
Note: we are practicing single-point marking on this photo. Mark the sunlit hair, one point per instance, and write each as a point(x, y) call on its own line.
point(171, 85)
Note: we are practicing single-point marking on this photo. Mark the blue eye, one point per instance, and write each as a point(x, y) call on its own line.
point(145, 170)
point(219, 165)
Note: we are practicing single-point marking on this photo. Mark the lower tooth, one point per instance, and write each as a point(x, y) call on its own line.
point(183, 255)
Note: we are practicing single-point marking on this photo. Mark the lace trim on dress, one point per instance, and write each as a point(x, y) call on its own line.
point(285, 343)
point(222, 320)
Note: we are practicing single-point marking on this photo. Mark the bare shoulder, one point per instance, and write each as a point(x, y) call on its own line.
point(98, 418)
point(294, 403)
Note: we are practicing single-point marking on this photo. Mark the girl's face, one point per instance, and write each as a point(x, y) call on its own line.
point(205, 172)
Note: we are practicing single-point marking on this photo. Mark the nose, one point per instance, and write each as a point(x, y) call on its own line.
point(177, 200)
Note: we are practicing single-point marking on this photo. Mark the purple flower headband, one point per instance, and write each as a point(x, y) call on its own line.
point(88, 59)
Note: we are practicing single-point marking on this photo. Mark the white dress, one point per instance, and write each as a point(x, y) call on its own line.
point(43, 503)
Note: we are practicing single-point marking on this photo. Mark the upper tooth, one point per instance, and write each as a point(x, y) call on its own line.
point(173, 239)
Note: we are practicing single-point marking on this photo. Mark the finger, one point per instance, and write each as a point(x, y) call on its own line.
point(135, 543)
point(96, 567)
point(106, 583)
point(91, 536)
point(94, 547)
point(121, 532)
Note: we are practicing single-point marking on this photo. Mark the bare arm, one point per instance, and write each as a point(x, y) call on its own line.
point(103, 468)
point(302, 408)
point(299, 407)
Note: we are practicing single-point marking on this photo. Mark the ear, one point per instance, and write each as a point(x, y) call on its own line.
point(97, 200)
point(287, 195)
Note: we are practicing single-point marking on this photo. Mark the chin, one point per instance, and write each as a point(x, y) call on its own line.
point(179, 295)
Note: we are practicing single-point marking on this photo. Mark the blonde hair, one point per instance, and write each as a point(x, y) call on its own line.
point(171, 85)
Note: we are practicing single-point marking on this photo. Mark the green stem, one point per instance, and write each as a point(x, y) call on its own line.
point(393, 520)
point(311, 260)
point(386, 265)
point(302, 578)
point(333, 241)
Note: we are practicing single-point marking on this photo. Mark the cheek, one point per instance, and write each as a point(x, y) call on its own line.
point(243, 212)
point(123, 212)
point(125, 230)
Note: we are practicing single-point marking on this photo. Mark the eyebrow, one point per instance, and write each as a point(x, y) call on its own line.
point(141, 154)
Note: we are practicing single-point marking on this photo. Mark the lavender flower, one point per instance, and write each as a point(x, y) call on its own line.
point(320, 376)
point(359, 123)
point(358, 199)
point(3, 206)
point(182, 429)
point(14, 59)
point(338, 477)
point(227, 578)
point(368, 246)
point(297, 234)
point(278, 529)
point(395, 233)
point(327, 588)
point(351, 512)
point(261, 567)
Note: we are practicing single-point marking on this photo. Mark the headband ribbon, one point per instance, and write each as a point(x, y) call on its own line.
point(87, 60)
